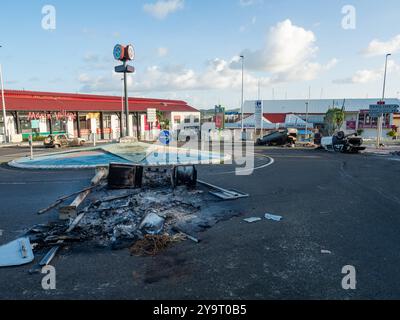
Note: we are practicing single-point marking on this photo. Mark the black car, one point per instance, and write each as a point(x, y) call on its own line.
point(279, 138)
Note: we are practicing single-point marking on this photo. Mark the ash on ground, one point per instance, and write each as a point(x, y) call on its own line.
point(155, 209)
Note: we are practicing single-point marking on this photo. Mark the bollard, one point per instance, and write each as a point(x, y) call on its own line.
point(31, 145)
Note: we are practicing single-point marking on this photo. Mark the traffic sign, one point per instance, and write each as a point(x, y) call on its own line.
point(165, 137)
point(151, 115)
point(382, 109)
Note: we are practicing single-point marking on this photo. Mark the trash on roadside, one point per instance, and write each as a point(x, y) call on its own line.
point(224, 194)
point(151, 245)
point(273, 217)
point(111, 215)
point(16, 253)
point(152, 224)
point(252, 220)
point(190, 237)
point(326, 252)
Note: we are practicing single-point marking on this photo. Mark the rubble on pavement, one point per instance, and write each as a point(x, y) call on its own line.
point(118, 219)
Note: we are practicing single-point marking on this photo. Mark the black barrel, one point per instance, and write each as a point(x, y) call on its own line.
point(123, 176)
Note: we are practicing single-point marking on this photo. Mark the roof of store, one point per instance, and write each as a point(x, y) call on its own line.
point(50, 101)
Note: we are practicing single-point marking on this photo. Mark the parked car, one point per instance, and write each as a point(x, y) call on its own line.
point(187, 135)
point(279, 138)
point(63, 140)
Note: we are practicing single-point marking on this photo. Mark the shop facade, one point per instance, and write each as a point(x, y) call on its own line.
point(40, 114)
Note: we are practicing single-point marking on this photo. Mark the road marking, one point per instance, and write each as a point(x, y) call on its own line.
point(270, 163)
point(38, 182)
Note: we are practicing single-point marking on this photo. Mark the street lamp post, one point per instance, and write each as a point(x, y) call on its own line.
point(380, 119)
point(305, 134)
point(242, 101)
point(3, 101)
point(4, 107)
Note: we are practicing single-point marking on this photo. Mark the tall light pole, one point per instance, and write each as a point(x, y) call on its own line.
point(4, 106)
point(242, 104)
point(380, 119)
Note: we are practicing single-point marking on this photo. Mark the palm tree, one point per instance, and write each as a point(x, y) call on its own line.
point(334, 119)
point(164, 122)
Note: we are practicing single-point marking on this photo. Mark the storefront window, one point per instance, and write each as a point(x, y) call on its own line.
point(107, 121)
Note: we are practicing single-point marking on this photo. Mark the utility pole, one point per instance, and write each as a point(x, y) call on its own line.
point(6, 137)
point(4, 107)
point(242, 101)
point(380, 119)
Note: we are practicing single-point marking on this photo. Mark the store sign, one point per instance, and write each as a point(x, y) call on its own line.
point(351, 125)
point(219, 117)
point(35, 124)
point(59, 116)
point(151, 115)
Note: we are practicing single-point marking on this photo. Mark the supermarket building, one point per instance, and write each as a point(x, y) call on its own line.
point(81, 115)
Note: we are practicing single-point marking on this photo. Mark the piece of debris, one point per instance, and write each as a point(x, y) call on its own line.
point(252, 220)
point(178, 230)
point(50, 255)
point(62, 199)
point(273, 217)
point(326, 252)
point(16, 253)
point(71, 211)
point(124, 176)
point(152, 224)
point(224, 194)
point(151, 245)
point(184, 176)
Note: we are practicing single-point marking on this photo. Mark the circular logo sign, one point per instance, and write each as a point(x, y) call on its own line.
point(165, 137)
point(130, 52)
point(118, 52)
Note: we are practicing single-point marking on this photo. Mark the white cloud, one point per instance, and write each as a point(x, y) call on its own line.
point(246, 3)
point(162, 8)
point(368, 75)
point(217, 76)
point(91, 57)
point(288, 54)
point(377, 47)
point(162, 51)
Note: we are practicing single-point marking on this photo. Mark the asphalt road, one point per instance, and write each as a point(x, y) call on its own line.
point(347, 204)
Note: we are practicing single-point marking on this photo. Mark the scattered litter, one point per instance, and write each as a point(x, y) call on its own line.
point(49, 256)
point(152, 224)
point(273, 217)
point(194, 239)
point(251, 220)
point(224, 194)
point(151, 245)
point(326, 252)
point(16, 253)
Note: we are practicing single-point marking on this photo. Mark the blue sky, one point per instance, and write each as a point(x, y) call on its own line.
point(188, 49)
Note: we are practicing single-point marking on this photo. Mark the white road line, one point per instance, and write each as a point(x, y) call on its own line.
point(270, 163)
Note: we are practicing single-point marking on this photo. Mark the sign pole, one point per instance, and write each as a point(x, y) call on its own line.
point(4, 107)
point(31, 145)
point(126, 103)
